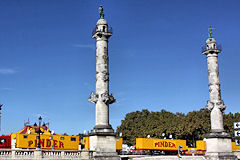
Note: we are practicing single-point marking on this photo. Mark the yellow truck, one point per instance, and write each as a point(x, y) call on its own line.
point(28, 138)
point(160, 144)
point(47, 141)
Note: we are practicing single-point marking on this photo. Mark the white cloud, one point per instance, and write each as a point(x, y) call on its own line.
point(7, 71)
point(89, 46)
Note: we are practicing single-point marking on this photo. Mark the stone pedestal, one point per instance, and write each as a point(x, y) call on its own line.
point(104, 147)
point(219, 146)
point(103, 143)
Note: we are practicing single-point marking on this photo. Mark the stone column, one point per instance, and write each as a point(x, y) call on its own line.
point(102, 99)
point(219, 144)
point(215, 104)
point(102, 137)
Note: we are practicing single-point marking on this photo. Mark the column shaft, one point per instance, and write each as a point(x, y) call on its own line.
point(102, 81)
point(102, 74)
point(213, 77)
point(215, 92)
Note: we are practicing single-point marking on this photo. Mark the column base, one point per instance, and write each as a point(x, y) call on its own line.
point(103, 141)
point(219, 146)
point(218, 134)
point(106, 156)
point(220, 156)
point(103, 130)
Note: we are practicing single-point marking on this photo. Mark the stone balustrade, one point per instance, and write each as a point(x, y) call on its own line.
point(44, 154)
point(237, 153)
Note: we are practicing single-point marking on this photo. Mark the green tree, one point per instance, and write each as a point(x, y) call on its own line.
point(191, 126)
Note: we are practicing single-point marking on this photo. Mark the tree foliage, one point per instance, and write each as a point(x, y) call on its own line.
point(191, 126)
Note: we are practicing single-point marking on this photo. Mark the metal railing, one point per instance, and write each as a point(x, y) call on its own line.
point(206, 48)
point(95, 30)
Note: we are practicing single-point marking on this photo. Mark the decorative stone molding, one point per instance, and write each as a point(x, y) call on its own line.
point(107, 99)
point(209, 105)
point(93, 98)
point(220, 105)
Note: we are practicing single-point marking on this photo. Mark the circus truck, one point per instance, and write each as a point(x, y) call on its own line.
point(170, 147)
point(158, 146)
point(27, 138)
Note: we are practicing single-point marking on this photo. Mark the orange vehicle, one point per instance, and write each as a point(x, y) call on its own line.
point(159, 146)
point(28, 138)
point(234, 147)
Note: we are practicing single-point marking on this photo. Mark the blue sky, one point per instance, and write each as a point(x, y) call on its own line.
point(48, 58)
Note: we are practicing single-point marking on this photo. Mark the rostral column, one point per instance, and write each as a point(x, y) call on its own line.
point(218, 141)
point(102, 137)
